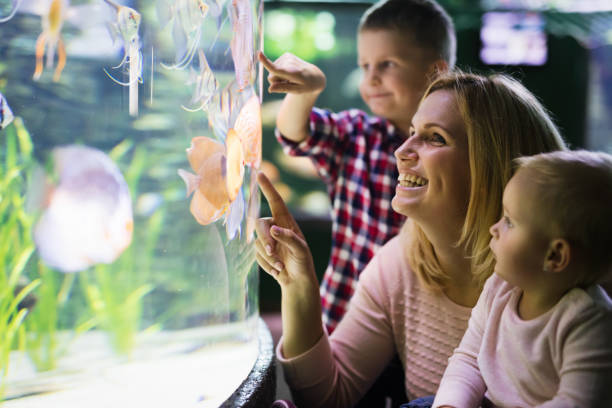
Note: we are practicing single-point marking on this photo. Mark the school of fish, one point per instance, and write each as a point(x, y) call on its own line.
point(87, 216)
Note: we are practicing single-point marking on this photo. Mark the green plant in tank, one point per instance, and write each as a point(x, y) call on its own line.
point(16, 246)
point(115, 292)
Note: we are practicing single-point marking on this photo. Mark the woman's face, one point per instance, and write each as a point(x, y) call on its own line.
point(433, 163)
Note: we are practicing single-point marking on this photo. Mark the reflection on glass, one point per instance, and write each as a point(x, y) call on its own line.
point(130, 134)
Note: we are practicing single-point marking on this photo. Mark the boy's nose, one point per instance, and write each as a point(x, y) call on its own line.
point(371, 76)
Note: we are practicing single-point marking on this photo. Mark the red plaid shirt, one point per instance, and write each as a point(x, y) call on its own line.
point(353, 154)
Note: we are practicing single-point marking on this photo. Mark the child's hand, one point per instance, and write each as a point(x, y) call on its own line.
point(289, 74)
point(281, 248)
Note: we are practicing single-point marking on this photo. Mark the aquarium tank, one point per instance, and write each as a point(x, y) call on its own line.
point(130, 136)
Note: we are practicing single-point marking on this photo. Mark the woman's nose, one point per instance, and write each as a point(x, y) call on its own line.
point(408, 150)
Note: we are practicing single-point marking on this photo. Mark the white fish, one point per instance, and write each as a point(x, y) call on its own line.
point(234, 216)
point(205, 85)
point(6, 115)
point(87, 216)
point(187, 17)
point(242, 45)
point(126, 26)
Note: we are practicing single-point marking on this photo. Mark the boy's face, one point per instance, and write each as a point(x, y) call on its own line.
point(518, 242)
point(395, 74)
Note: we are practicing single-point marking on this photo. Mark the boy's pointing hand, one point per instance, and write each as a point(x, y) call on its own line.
point(290, 74)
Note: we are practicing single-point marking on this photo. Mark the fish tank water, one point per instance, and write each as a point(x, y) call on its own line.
point(130, 134)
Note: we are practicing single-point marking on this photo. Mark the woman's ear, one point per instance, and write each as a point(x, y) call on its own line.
point(558, 256)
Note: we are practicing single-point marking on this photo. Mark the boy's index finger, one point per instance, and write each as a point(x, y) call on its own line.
point(269, 65)
point(275, 69)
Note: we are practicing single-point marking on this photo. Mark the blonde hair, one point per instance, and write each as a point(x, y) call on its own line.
point(503, 120)
point(574, 190)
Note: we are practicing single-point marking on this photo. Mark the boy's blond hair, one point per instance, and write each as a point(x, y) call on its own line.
point(503, 120)
point(425, 21)
point(574, 201)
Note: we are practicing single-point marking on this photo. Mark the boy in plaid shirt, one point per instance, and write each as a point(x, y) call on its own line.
point(402, 44)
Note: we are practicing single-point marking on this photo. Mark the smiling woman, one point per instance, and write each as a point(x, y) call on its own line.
point(435, 153)
point(415, 297)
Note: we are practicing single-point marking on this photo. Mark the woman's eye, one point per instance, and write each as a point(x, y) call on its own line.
point(386, 64)
point(508, 222)
point(437, 139)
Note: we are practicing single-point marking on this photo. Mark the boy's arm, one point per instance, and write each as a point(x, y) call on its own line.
point(302, 82)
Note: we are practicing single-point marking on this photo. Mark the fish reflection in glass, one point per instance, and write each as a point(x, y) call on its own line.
point(86, 215)
point(219, 170)
point(8, 9)
point(248, 128)
point(204, 83)
point(6, 114)
point(126, 27)
point(242, 45)
point(51, 40)
point(186, 17)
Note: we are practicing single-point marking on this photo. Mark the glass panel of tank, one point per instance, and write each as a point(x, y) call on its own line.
point(130, 132)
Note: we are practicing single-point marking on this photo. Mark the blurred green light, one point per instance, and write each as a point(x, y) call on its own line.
point(280, 24)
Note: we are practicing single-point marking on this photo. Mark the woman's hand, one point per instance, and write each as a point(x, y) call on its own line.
point(281, 248)
point(283, 253)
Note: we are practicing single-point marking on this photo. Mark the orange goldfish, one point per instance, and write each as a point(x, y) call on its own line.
point(248, 127)
point(52, 23)
point(126, 26)
point(87, 214)
point(219, 170)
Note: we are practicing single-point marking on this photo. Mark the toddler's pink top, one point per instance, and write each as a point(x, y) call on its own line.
point(562, 358)
point(391, 312)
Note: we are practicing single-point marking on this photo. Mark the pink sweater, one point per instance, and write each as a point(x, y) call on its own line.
point(389, 313)
point(562, 358)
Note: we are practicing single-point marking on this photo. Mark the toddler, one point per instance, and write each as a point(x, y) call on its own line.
point(541, 332)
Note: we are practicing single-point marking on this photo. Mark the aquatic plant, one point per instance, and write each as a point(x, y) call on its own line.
point(115, 292)
point(16, 245)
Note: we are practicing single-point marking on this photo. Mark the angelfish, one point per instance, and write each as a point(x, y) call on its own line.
point(6, 115)
point(187, 17)
point(51, 38)
point(241, 45)
point(86, 215)
point(126, 26)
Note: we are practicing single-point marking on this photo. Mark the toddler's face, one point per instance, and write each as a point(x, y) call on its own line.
point(395, 74)
point(518, 242)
